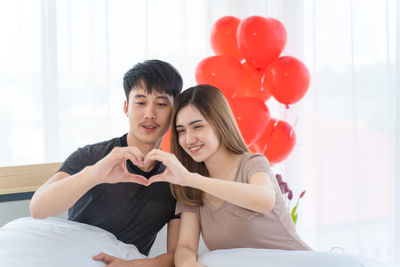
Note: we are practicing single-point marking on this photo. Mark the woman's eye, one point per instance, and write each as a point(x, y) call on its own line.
point(162, 104)
point(140, 103)
point(180, 132)
point(197, 126)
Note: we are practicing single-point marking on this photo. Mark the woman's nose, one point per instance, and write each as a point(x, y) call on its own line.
point(190, 138)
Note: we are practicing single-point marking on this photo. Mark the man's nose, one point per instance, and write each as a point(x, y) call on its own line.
point(150, 113)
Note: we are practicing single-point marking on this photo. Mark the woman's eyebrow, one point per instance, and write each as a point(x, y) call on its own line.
point(190, 123)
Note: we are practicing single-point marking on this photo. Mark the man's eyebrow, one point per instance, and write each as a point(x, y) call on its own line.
point(139, 96)
point(190, 123)
point(164, 97)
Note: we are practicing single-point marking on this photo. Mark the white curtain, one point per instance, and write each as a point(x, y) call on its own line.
point(61, 69)
point(345, 154)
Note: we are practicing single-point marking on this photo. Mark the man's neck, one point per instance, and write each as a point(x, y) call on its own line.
point(145, 148)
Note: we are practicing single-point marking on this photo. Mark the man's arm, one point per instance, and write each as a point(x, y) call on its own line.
point(61, 191)
point(164, 260)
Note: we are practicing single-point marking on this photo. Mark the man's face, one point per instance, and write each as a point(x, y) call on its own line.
point(149, 114)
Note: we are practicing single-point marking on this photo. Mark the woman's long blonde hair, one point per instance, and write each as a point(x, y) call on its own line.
point(213, 105)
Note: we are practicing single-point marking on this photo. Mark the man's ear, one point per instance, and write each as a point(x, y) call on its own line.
point(126, 107)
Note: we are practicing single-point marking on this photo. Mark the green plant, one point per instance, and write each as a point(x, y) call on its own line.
point(287, 193)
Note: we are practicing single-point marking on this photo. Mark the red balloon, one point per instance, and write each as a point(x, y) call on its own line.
point(288, 79)
point(252, 117)
point(252, 85)
point(223, 72)
point(261, 40)
point(277, 141)
point(165, 144)
point(223, 37)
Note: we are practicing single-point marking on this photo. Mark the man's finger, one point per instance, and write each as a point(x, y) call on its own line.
point(103, 257)
point(133, 157)
point(99, 257)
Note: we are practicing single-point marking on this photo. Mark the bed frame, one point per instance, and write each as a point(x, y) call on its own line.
point(19, 182)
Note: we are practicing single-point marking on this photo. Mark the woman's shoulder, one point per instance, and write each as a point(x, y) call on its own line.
point(249, 157)
point(250, 164)
point(183, 207)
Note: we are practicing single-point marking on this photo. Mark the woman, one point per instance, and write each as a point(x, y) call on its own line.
point(227, 193)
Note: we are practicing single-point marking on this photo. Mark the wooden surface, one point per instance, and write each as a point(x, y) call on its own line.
point(25, 178)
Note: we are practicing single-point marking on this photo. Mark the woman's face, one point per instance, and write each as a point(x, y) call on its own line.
point(196, 135)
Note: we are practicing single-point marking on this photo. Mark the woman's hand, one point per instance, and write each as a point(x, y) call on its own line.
point(174, 173)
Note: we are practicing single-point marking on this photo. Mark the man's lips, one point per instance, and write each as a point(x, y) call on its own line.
point(149, 127)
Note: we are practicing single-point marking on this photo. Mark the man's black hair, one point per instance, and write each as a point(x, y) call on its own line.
point(155, 75)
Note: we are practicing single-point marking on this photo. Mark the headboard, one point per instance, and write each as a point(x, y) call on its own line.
point(25, 178)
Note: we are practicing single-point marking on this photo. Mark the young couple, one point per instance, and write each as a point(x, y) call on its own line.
point(227, 193)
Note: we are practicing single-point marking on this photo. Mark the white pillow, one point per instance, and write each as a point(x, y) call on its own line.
point(246, 257)
point(58, 242)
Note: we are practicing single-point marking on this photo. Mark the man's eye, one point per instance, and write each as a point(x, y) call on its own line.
point(140, 103)
point(162, 104)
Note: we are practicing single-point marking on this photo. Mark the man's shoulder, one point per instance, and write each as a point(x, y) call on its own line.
point(89, 155)
point(103, 146)
point(116, 141)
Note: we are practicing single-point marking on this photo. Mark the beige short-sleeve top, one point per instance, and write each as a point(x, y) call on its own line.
point(231, 226)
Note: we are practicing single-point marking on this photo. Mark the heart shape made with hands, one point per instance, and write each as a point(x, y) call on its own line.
point(173, 172)
point(145, 166)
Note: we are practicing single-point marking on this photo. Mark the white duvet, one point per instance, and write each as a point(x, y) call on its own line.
point(57, 243)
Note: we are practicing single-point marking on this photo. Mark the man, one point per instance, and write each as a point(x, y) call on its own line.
point(104, 184)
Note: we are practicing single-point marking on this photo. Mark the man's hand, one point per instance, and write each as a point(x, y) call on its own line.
point(116, 262)
point(196, 264)
point(112, 168)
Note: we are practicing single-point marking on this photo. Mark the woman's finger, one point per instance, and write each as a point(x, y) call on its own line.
point(153, 157)
point(158, 178)
point(135, 178)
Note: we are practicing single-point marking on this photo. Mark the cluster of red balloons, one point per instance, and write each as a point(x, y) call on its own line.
point(248, 69)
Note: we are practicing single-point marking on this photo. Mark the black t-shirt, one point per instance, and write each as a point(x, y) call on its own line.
point(133, 213)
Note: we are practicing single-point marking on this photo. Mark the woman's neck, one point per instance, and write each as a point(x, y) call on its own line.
point(223, 164)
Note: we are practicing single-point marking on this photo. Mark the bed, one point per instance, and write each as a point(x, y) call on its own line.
point(59, 242)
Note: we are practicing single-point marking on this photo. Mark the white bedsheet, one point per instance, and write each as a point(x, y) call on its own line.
point(56, 242)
